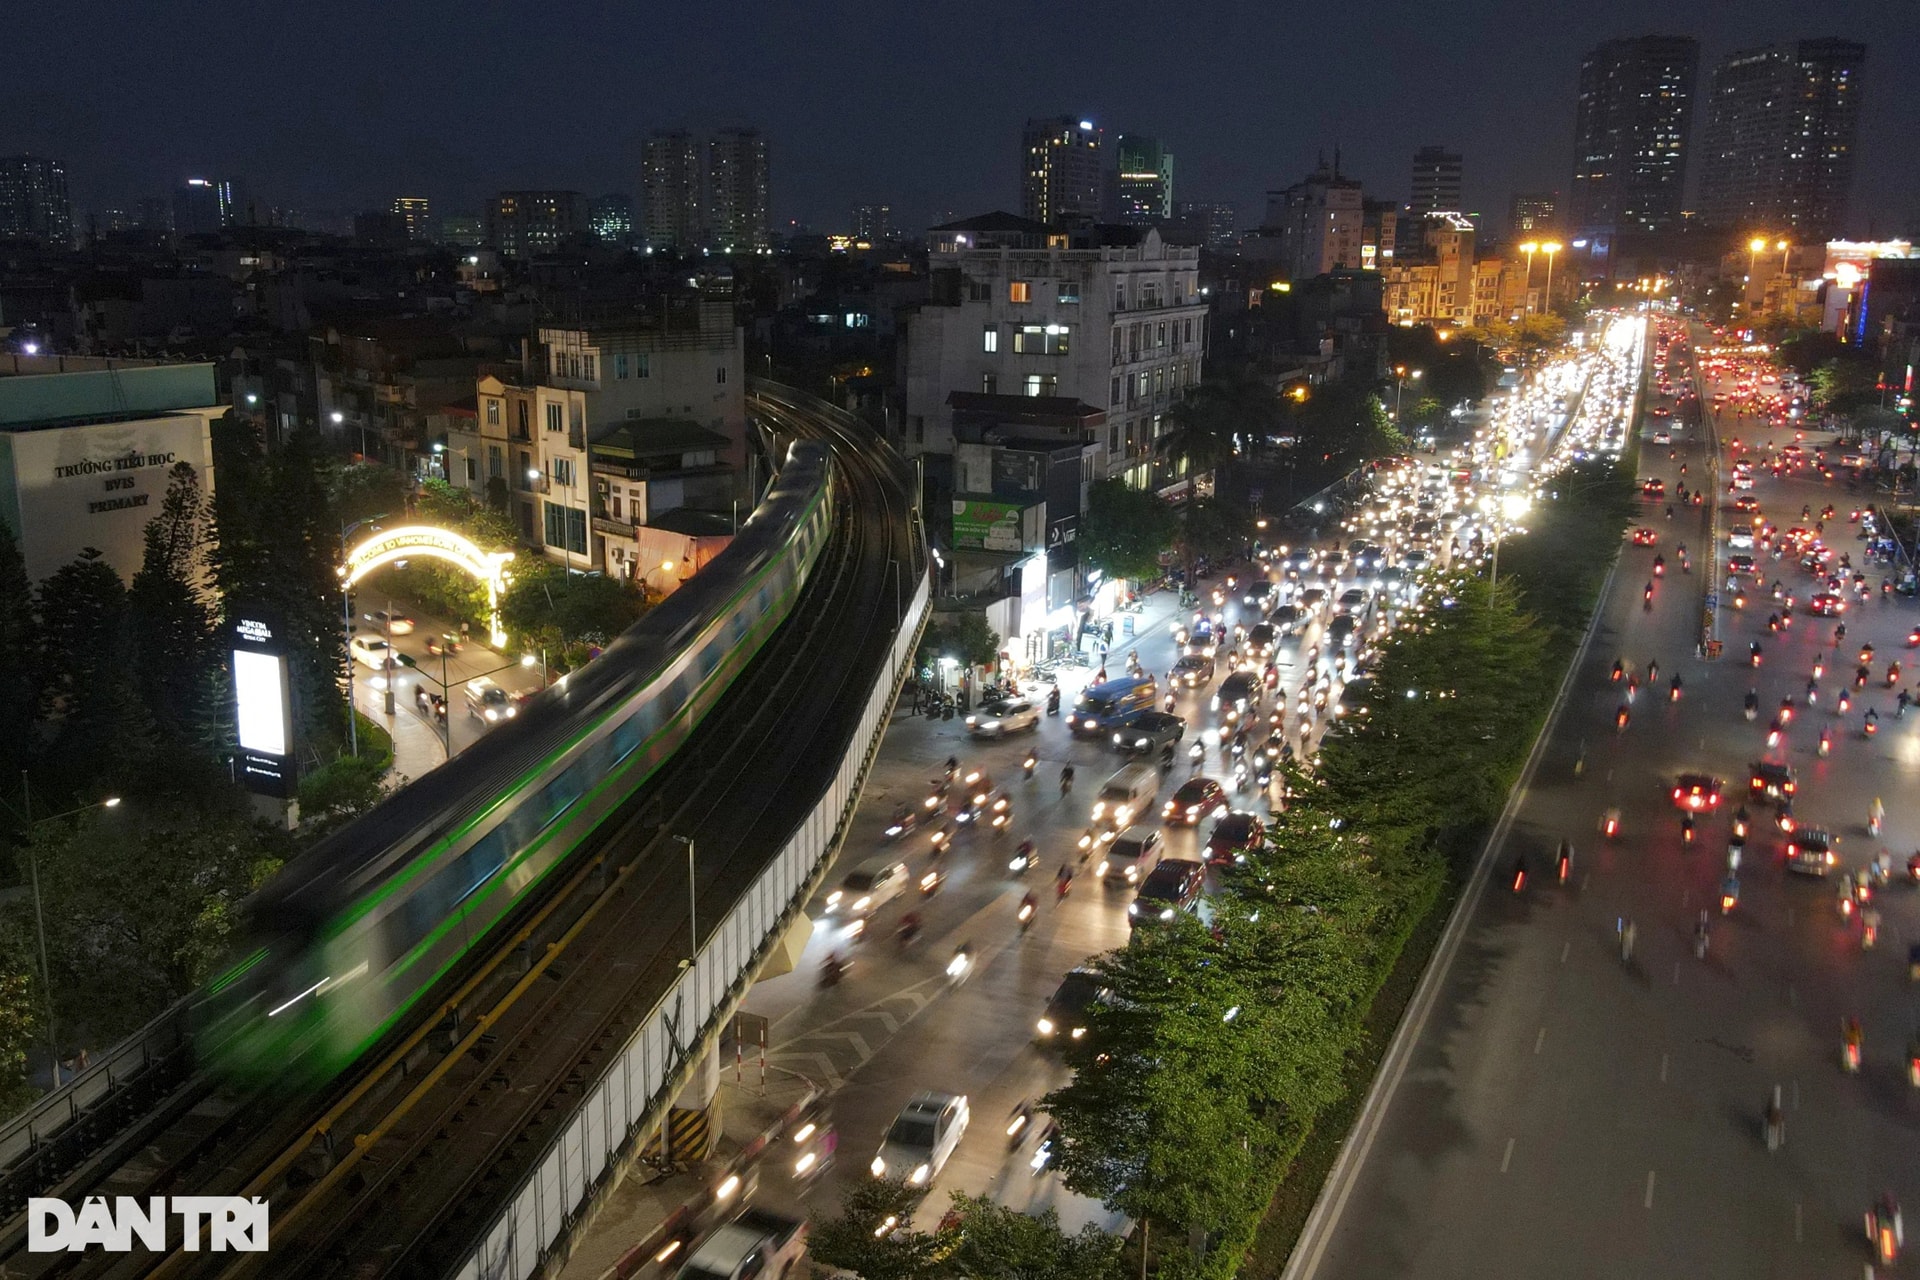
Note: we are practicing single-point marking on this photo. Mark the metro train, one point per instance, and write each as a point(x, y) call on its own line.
point(351, 936)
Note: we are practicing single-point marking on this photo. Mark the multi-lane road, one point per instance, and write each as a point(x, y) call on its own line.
point(1553, 1108)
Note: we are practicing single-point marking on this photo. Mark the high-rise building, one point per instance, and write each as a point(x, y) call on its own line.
point(156, 215)
point(670, 187)
point(1060, 170)
point(523, 223)
point(1213, 219)
point(1146, 179)
point(1777, 150)
point(1436, 182)
point(413, 213)
point(1533, 213)
point(610, 219)
point(1630, 133)
point(33, 201)
point(204, 205)
point(737, 192)
point(873, 222)
point(1319, 222)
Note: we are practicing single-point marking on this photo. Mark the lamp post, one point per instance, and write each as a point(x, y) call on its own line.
point(446, 688)
point(25, 817)
point(693, 929)
point(1550, 248)
point(1754, 248)
point(1530, 248)
point(1401, 374)
point(665, 566)
point(1511, 507)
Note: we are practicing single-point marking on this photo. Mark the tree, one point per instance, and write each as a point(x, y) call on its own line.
point(994, 1242)
point(874, 1237)
point(567, 613)
point(966, 637)
point(20, 1027)
point(101, 729)
point(170, 612)
point(1845, 384)
point(363, 490)
point(1124, 530)
point(1211, 528)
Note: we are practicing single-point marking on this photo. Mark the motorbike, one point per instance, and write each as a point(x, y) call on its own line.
point(1017, 1126)
point(930, 884)
point(1850, 1047)
point(1029, 764)
point(1044, 1153)
point(1610, 824)
point(1826, 743)
point(444, 643)
point(1519, 874)
point(961, 964)
point(904, 821)
point(1729, 894)
point(1884, 1233)
point(1565, 864)
point(1023, 858)
point(1752, 705)
point(832, 970)
point(1026, 913)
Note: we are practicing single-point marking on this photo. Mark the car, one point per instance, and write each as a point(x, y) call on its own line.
point(1130, 855)
point(1810, 852)
point(1299, 561)
point(1654, 488)
point(1747, 504)
point(1352, 600)
point(392, 624)
point(1170, 888)
point(1825, 604)
point(755, 1245)
point(868, 887)
point(1771, 780)
point(1313, 598)
point(1261, 638)
point(1740, 535)
point(1003, 716)
point(1340, 630)
point(1742, 479)
point(488, 701)
point(922, 1138)
point(1645, 537)
point(1663, 437)
point(1148, 731)
point(1238, 692)
point(1285, 619)
point(1236, 834)
point(1194, 670)
point(1193, 801)
point(1741, 563)
point(1696, 792)
point(371, 651)
point(1064, 1020)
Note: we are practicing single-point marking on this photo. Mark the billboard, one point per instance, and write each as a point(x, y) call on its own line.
point(263, 708)
point(984, 525)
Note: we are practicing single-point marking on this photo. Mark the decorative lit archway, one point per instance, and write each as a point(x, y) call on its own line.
point(456, 549)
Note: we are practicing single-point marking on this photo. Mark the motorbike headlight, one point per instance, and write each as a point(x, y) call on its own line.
point(1046, 1026)
point(878, 1168)
point(1078, 1032)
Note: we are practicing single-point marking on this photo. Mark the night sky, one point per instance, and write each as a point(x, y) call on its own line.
point(343, 105)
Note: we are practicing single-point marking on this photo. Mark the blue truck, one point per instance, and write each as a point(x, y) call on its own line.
point(1104, 707)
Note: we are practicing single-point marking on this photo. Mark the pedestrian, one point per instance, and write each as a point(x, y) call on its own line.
point(465, 627)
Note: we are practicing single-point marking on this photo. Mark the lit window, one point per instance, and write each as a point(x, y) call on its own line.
point(1017, 291)
point(990, 338)
point(493, 413)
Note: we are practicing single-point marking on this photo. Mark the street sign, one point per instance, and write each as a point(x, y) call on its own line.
point(1713, 599)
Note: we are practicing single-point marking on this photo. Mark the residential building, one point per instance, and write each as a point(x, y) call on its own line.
point(737, 192)
point(380, 229)
point(873, 223)
point(662, 489)
point(1379, 227)
point(1061, 177)
point(1318, 222)
point(1630, 134)
point(85, 457)
point(522, 224)
point(1214, 220)
point(1145, 179)
point(610, 219)
point(1434, 279)
point(416, 216)
point(155, 215)
point(1777, 151)
point(33, 201)
point(540, 432)
point(1108, 316)
point(463, 231)
point(671, 182)
point(1533, 213)
point(1436, 182)
point(202, 206)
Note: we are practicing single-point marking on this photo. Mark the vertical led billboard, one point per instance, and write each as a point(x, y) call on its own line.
point(263, 708)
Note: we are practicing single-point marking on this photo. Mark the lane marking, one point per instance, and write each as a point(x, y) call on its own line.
point(1507, 1159)
point(1539, 1040)
point(1565, 947)
point(1648, 1202)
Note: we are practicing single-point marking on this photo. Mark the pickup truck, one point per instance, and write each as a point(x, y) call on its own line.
point(755, 1245)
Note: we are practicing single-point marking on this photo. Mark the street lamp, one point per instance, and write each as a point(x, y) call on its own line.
point(527, 660)
point(25, 817)
point(1755, 247)
point(1550, 248)
point(1401, 375)
point(1530, 248)
point(665, 566)
point(1511, 506)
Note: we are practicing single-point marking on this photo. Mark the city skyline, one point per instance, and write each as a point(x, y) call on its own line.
point(347, 116)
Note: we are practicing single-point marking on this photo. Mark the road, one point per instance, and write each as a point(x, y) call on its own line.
point(417, 738)
point(1557, 1111)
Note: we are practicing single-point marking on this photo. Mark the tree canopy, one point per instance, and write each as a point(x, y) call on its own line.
point(1124, 530)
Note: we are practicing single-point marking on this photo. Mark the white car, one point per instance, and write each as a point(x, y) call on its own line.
point(393, 624)
point(371, 651)
point(1663, 437)
point(922, 1139)
point(868, 887)
point(998, 719)
point(1741, 535)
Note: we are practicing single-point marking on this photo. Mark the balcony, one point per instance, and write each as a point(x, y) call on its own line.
point(614, 528)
